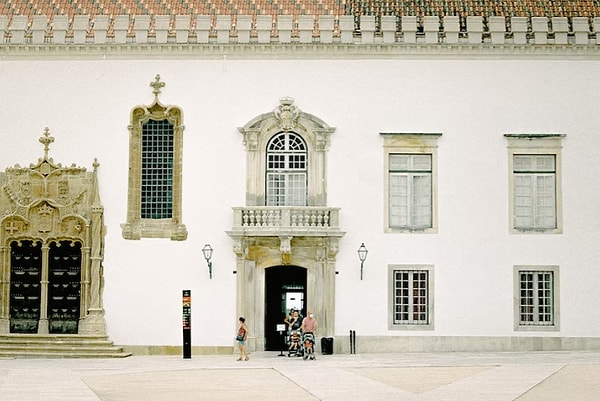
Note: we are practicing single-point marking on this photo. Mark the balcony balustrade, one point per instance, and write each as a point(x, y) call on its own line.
point(288, 220)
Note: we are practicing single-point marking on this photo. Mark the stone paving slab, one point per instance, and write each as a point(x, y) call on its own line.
point(546, 376)
point(572, 382)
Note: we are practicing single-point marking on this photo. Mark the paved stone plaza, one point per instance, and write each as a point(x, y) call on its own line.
point(533, 376)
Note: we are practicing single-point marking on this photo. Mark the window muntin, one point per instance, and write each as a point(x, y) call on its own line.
point(286, 172)
point(411, 297)
point(157, 170)
point(536, 298)
point(410, 191)
point(534, 192)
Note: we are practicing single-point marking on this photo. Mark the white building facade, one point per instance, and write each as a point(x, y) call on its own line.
point(467, 172)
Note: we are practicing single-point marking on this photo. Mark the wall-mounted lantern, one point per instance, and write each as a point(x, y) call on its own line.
point(362, 255)
point(208, 251)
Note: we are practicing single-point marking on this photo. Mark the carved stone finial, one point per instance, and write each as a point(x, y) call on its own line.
point(46, 140)
point(156, 84)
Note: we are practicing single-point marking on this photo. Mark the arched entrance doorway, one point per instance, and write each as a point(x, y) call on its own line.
point(285, 288)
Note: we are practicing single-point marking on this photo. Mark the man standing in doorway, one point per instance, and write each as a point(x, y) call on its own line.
point(309, 330)
point(309, 324)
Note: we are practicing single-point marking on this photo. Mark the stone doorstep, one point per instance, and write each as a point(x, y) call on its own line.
point(53, 346)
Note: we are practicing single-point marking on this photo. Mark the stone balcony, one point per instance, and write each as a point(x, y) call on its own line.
point(263, 221)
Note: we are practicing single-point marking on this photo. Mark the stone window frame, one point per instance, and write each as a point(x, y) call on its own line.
point(287, 117)
point(554, 269)
point(535, 144)
point(137, 227)
point(430, 300)
point(410, 143)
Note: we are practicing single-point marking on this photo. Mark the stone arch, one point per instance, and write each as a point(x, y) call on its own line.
point(287, 118)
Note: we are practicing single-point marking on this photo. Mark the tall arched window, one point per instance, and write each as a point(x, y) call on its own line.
point(155, 175)
point(286, 170)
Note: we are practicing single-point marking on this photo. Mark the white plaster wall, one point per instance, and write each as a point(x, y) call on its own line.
point(86, 104)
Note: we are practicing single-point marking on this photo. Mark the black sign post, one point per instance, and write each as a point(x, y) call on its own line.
point(187, 323)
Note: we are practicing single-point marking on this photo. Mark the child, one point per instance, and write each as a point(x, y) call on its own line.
point(294, 341)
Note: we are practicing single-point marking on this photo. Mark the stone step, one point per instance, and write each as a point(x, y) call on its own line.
point(59, 346)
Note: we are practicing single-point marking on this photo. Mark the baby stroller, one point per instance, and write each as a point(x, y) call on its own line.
point(308, 346)
point(294, 344)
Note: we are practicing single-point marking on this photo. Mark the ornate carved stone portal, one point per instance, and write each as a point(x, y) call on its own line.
point(285, 239)
point(51, 248)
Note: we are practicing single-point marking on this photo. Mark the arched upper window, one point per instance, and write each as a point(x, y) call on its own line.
point(286, 170)
point(286, 157)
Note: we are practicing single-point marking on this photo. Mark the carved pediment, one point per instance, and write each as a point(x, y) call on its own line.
point(46, 198)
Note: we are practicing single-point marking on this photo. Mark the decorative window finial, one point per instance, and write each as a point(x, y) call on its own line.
point(46, 140)
point(156, 84)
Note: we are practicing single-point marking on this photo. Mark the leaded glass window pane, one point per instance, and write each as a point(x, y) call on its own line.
point(157, 170)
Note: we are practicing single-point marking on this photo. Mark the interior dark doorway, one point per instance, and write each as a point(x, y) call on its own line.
point(25, 286)
point(285, 288)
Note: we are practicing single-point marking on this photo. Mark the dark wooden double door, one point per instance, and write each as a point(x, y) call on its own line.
point(45, 286)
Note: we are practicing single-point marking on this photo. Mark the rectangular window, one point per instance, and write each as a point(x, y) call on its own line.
point(410, 182)
point(536, 297)
point(411, 302)
point(286, 189)
point(534, 183)
point(157, 170)
point(534, 192)
point(536, 300)
point(410, 191)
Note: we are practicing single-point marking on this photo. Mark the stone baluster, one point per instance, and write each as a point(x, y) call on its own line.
point(451, 28)
point(539, 26)
point(141, 26)
point(38, 29)
point(243, 28)
point(560, 27)
point(581, 30)
point(388, 28)
point(182, 28)
point(161, 28)
point(367, 28)
point(497, 28)
point(431, 27)
point(409, 28)
point(284, 28)
point(121, 25)
point(326, 26)
point(519, 30)
point(18, 27)
point(202, 28)
point(60, 24)
point(100, 28)
point(346, 29)
point(80, 27)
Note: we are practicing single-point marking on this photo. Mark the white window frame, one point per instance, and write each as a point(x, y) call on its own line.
point(415, 144)
point(535, 145)
point(518, 324)
point(410, 325)
point(286, 185)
